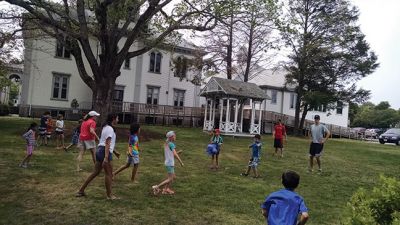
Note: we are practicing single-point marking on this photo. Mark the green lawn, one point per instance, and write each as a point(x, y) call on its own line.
point(44, 193)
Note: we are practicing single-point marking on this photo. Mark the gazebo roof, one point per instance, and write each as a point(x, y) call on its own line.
point(232, 88)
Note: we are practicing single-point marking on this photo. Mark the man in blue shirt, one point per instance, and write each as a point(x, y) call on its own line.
point(319, 134)
point(284, 206)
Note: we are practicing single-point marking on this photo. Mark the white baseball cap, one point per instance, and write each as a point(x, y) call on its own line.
point(93, 113)
point(170, 134)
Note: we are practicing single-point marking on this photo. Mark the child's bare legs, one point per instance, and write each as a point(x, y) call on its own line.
point(97, 169)
point(108, 179)
point(255, 172)
point(123, 167)
point(79, 158)
point(134, 171)
point(166, 183)
point(62, 141)
point(92, 150)
point(58, 141)
point(212, 161)
point(25, 161)
point(216, 161)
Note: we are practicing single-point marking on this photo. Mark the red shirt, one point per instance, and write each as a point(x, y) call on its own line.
point(85, 130)
point(279, 131)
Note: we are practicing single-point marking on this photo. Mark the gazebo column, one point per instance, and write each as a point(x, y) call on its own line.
point(252, 117)
point(227, 120)
point(259, 118)
point(221, 104)
point(241, 116)
point(213, 112)
point(205, 124)
point(236, 114)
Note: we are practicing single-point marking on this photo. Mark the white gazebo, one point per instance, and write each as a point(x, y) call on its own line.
point(225, 101)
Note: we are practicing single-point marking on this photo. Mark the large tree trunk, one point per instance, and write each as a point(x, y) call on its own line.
point(249, 54)
point(103, 97)
point(297, 130)
point(303, 117)
point(229, 50)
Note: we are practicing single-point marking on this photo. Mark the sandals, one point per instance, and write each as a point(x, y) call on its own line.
point(155, 189)
point(113, 197)
point(80, 194)
point(168, 191)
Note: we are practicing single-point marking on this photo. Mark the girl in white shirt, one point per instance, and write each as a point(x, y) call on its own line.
point(104, 155)
point(60, 131)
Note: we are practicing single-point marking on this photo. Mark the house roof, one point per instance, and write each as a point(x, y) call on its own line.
point(271, 78)
point(224, 87)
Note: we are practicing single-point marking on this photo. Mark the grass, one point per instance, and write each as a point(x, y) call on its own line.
point(44, 193)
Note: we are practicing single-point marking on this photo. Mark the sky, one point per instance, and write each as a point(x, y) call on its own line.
point(380, 22)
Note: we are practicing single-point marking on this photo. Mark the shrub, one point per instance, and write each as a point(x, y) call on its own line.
point(4, 110)
point(381, 206)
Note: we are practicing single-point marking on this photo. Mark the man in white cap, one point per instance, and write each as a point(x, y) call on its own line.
point(319, 134)
point(88, 136)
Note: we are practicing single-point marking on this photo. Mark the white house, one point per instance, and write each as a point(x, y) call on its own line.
point(51, 80)
point(283, 98)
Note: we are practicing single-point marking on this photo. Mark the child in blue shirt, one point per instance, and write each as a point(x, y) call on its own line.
point(255, 156)
point(214, 148)
point(284, 206)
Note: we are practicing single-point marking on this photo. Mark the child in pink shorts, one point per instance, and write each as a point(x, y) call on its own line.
point(29, 136)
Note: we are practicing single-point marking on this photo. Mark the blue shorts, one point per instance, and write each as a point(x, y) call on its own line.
point(253, 163)
point(75, 139)
point(170, 169)
point(101, 152)
point(316, 149)
point(132, 160)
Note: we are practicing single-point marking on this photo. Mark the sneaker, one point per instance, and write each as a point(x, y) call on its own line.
point(309, 170)
point(24, 166)
point(320, 170)
point(244, 174)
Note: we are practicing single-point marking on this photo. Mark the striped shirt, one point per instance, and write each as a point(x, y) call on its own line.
point(29, 137)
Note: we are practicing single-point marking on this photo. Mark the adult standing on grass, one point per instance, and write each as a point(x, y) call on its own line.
point(87, 137)
point(104, 157)
point(277, 134)
point(317, 133)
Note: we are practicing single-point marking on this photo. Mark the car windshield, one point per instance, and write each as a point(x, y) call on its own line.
point(393, 131)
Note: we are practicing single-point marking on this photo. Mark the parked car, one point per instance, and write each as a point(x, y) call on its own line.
point(373, 133)
point(390, 136)
point(358, 130)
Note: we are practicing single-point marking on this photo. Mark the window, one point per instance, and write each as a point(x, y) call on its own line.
point(180, 67)
point(155, 62)
point(339, 107)
point(292, 100)
point(60, 86)
point(61, 50)
point(152, 95)
point(179, 97)
point(118, 94)
point(274, 95)
point(127, 64)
